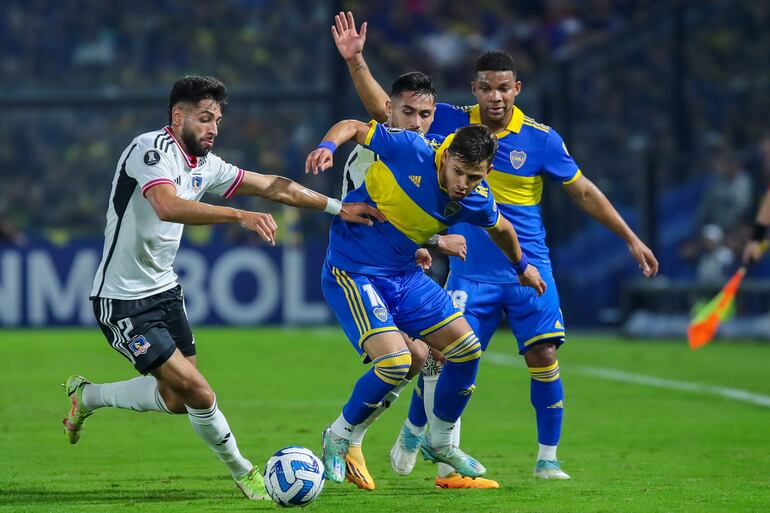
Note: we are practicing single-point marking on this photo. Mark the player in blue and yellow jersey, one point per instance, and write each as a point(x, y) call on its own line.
point(371, 282)
point(412, 102)
point(483, 284)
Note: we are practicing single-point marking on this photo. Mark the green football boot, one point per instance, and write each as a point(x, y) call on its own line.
point(252, 485)
point(73, 422)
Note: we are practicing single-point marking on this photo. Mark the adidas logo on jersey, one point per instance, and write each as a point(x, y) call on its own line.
point(558, 325)
point(415, 179)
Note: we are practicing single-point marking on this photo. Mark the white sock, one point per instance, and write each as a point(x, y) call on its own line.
point(546, 452)
point(342, 428)
point(429, 395)
point(138, 394)
point(440, 434)
point(360, 430)
point(416, 430)
point(444, 469)
point(211, 425)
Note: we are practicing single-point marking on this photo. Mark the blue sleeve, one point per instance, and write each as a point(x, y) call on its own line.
point(558, 164)
point(481, 208)
point(448, 118)
point(398, 146)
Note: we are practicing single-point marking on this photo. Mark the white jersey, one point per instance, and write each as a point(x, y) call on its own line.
point(356, 167)
point(139, 248)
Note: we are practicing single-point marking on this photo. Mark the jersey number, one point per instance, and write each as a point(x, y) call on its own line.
point(378, 307)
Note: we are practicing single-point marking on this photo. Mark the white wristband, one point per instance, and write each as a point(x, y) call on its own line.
point(333, 206)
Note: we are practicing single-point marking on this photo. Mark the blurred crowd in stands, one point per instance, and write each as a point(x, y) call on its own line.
point(628, 96)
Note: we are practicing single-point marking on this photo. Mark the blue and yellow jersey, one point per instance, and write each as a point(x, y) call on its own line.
point(403, 184)
point(528, 152)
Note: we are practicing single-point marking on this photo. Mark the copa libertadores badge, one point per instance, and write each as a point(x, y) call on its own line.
point(152, 157)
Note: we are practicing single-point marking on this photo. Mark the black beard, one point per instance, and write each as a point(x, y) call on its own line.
point(192, 144)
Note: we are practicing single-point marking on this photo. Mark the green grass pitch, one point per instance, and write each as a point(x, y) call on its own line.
point(628, 446)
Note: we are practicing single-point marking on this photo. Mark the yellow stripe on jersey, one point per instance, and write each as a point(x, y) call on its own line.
point(514, 125)
point(514, 189)
point(440, 153)
point(351, 303)
point(578, 174)
point(534, 124)
point(398, 207)
point(370, 133)
point(497, 223)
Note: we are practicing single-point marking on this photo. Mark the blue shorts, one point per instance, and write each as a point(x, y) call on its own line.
point(532, 319)
point(366, 305)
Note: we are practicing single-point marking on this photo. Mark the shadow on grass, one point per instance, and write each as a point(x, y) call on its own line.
point(113, 496)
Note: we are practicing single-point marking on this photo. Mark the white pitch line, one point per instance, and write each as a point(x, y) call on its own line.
point(640, 379)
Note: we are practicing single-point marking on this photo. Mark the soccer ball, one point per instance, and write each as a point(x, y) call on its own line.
point(294, 476)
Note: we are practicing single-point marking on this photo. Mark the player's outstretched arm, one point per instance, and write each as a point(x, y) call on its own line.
point(321, 158)
point(350, 44)
point(756, 246)
point(283, 190)
point(173, 209)
point(504, 235)
point(449, 245)
point(593, 201)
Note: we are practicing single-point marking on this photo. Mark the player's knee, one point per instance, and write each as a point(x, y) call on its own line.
point(202, 396)
point(465, 349)
point(393, 367)
point(544, 367)
point(194, 391)
point(541, 355)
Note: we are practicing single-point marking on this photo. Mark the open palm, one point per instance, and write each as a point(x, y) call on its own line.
point(348, 40)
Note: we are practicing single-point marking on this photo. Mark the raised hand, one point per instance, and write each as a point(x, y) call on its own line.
point(349, 41)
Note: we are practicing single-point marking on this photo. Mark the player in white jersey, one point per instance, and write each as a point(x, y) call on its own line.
point(411, 107)
point(159, 181)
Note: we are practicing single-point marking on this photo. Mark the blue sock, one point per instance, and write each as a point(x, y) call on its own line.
point(417, 407)
point(457, 380)
point(547, 396)
point(371, 388)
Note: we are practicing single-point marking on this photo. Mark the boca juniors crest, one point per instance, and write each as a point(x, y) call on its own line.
point(452, 208)
point(518, 158)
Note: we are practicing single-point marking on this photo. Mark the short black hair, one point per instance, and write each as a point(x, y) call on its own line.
point(496, 60)
point(195, 88)
point(414, 82)
point(473, 144)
